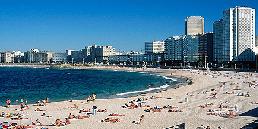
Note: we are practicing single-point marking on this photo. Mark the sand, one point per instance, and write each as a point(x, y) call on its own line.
point(190, 99)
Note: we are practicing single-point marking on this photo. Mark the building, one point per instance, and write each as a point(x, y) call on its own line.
point(138, 59)
point(194, 25)
point(205, 49)
point(35, 56)
point(173, 48)
point(30, 56)
point(18, 57)
point(182, 48)
point(190, 48)
point(234, 35)
point(256, 41)
point(49, 56)
point(76, 56)
point(69, 55)
point(154, 47)
point(239, 33)
point(219, 52)
point(59, 57)
point(7, 57)
point(100, 54)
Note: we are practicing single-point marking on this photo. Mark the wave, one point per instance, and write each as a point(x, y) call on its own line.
point(143, 91)
point(169, 78)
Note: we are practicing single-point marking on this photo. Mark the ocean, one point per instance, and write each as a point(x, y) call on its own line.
point(33, 84)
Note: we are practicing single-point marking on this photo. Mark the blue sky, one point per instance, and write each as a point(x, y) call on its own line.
point(58, 25)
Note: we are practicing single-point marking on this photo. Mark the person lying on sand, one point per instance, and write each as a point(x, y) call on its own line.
point(114, 114)
point(67, 121)
point(75, 106)
point(155, 109)
point(37, 123)
point(111, 120)
point(175, 110)
point(102, 110)
point(38, 109)
point(59, 123)
point(82, 116)
point(39, 103)
point(23, 127)
point(71, 116)
point(84, 110)
point(131, 106)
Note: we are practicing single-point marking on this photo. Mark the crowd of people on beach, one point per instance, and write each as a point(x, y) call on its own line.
point(41, 103)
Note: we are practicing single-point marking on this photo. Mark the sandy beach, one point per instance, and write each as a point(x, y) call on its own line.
point(217, 99)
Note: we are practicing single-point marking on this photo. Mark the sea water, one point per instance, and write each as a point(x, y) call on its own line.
point(33, 84)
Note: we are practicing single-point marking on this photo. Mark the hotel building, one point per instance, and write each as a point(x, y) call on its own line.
point(194, 25)
point(154, 47)
point(234, 38)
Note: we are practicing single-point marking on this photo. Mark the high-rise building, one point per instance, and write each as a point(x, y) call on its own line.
point(234, 35)
point(173, 48)
point(194, 25)
point(239, 33)
point(154, 47)
point(190, 48)
point(206, 47)
point(219, 53)
point(182, 48)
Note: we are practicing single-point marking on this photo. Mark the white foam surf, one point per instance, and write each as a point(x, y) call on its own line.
point(168, 78)
point(143, 91)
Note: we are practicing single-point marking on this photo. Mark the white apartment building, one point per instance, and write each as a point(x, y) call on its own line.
point(7, 57)
point(154, 47)
point(239, 33)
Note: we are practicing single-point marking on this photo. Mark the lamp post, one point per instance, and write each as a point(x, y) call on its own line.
point(131, 59)
point(158, 61)
point(184, 61)
point(118, 61)
point(145, 62)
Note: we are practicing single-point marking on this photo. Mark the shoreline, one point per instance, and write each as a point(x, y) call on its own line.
point(180, 80)
point(195, 103)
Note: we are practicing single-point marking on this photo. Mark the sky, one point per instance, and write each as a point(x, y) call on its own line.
point(58, 25)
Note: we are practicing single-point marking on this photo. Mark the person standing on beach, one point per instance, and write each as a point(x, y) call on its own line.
point(94, 110)
point(8, 103)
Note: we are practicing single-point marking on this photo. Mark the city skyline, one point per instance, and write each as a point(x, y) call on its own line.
point(124, 25)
